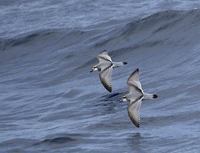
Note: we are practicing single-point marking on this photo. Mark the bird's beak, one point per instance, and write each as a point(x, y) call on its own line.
point(123, 99)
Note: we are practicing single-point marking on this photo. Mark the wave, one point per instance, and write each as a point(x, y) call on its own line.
point(157, 23)
point(57, 140)
point(155, 29)
point(70, 35)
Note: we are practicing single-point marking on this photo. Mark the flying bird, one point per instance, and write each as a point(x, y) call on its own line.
point(135, 96)
point(105, 67)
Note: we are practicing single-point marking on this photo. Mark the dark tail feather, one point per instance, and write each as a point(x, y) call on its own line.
point(125, 63)
point(155, 96)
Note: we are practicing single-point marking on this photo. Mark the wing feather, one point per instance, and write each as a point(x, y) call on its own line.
point(134, 84)
point(106, 78)
point(104, 56)
point(134, 111)
point(104, 60)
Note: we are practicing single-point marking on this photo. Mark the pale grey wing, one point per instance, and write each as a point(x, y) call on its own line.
point(104, 65)
point(134, 80)
point(134, 92)
point(104, 56)
point(106, 78)
point(104, 61)
point(134, 112)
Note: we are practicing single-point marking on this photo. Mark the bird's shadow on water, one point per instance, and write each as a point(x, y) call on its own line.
point(117, 96)
point(110, 102)
point(111, 97)
point(136, 142)
point(61, 139)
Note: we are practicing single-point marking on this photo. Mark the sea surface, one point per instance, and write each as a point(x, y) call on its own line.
point(51, 103)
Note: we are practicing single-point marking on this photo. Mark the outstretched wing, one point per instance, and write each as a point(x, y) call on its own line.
point(134, 84)
point(104, 60)
point(106, 78)
point(134, 111)
point(104, 57)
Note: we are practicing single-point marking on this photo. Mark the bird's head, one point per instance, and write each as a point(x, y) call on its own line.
point(94, 68)
point(124, 99)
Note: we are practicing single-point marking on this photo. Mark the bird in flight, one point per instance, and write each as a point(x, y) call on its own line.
point(135, 96)
point(105, 67)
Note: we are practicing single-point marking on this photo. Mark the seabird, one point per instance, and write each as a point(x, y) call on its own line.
point(135, 96)
point(105, 67)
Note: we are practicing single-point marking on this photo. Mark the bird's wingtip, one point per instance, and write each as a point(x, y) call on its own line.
point(110, 89)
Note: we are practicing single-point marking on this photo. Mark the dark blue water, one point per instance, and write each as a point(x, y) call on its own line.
point(51, 103)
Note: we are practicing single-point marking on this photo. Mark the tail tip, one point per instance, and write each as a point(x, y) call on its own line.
point(125, 63)
point(155, 96)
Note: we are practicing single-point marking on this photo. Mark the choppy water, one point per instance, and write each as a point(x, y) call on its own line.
point(51, 103)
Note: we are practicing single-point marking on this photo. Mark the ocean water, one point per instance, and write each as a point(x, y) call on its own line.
point(51, 103)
